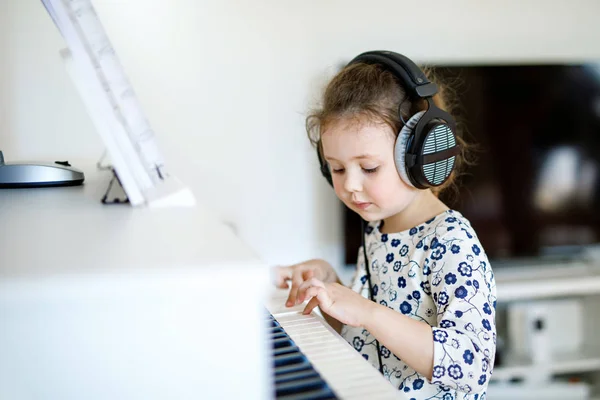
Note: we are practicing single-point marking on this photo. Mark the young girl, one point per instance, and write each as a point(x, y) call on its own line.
point(430, 328)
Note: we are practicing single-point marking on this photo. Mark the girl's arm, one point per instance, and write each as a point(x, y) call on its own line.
point(409, 339)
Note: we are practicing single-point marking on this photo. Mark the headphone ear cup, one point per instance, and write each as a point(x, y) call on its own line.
point(403, 141)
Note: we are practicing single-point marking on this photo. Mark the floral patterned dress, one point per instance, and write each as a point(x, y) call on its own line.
point(436, 273)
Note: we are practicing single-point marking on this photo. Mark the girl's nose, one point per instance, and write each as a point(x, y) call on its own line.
point(352, 183)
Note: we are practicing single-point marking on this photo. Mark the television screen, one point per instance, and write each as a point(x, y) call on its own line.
point(535, 187)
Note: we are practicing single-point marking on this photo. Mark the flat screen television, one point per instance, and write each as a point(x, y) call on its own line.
point(535, 188)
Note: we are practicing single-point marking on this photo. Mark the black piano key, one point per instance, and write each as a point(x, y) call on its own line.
point(319, 394)
point(299, 386)
point(282, 342)
point(285, 350)
point(307, 373)
point(289, 359)
point(278, 335)
point(292, 367)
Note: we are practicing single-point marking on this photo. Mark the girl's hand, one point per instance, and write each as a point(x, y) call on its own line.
point(299, 273)
point(335, 300)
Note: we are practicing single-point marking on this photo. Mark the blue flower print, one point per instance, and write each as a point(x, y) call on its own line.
point(397, 266)
point(486, 324)
point(425, 286)
point(443, 298)
point(412, 231)
point(482, 379)
point(447, 396)
point(468, 357)
point(363, 279)
point(450, 278)
point(404, 250)
point(440, 336)
point(438, 371)
point(485, 365)
point(420, 244)
point(450, 219)
point(358, 343)
point(406, 389)
point(450, 228)
point(405, 307)
point(455, 249)
point(455, 371)
point(418, 384)
point(393, 295)
point(476, 249)
point(464, 269)
point(369, 229)
point(416, 294)
point(461, 292)
point(390, 257)
point(487, 309)
point(430, 220)
point(434, 243)
point(383, 303)
point(385, 352)
point(365, 356)
point(395, 242)
point(375, 290)
point(401, 282)
point(426, 270)
point(384, 237)
point(446, 323)
point(476, 283)
point(439, 252)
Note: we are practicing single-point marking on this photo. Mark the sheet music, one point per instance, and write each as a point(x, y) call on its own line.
point(110, 99)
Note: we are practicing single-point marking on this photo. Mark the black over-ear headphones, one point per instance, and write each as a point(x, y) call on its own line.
point(426, 148)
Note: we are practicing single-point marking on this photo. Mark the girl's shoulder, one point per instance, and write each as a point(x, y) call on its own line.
point(450, 223)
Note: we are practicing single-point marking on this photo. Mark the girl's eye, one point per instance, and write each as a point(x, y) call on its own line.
point(337, 170)
point(370, 170)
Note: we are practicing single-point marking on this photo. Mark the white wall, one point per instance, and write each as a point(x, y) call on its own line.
point(226, 85)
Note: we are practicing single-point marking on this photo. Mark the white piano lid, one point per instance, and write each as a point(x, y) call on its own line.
point(48, 231)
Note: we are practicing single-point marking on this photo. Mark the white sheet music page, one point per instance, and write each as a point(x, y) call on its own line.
point(114, 108)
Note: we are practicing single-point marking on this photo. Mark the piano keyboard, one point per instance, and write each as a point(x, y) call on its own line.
point(312, 361)
point(295, 377)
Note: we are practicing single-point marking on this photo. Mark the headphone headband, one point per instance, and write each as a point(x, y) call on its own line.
point(403, 68)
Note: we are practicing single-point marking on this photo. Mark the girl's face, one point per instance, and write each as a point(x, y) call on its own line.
point(360, 154)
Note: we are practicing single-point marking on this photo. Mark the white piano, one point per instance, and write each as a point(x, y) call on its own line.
point(112, 302)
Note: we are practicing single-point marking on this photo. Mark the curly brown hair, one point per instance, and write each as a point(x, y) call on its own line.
point(372, 92)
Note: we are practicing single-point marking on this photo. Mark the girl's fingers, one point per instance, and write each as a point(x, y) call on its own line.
point(311, 305)
point(303, 293)
point(296, 282)
point(320, 297)
point(281, 276)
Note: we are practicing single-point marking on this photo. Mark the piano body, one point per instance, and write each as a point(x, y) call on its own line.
point(114, 302)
